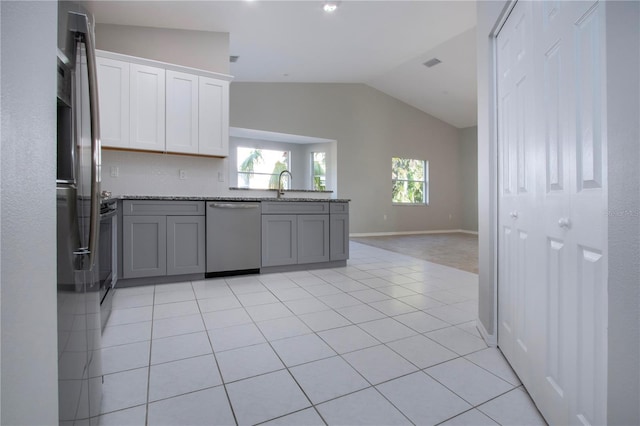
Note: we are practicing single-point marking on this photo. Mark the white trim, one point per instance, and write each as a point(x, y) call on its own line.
point(385, 234)
point(490, 339)
point(164, 65)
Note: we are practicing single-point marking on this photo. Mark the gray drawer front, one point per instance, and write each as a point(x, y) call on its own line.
point(293, 207)
point(339, 207)
point(161, 207)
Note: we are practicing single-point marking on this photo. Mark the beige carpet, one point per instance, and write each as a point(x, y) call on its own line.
point(457, 250)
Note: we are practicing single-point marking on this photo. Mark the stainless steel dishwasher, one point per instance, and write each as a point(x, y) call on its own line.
point(233, 238)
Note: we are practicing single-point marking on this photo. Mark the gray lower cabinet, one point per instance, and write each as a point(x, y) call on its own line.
point(339, 236)
point(144, 246)
point(162, 238)
point(279, 239)
point(295, 233)
point(185, 245)
point(289, 239)
point(313, 238)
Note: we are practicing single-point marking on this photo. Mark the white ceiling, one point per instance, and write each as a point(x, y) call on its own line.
point(379, 43)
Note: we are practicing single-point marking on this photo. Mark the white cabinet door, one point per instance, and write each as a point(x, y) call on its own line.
point(113, 94)
point(182, 112)
point(147, 103)
point(213, 117)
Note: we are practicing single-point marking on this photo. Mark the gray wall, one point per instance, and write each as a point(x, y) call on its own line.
point(197, 49)
point(29, 380)
point(370, 128)
point(469, 178)
point(623, 111)
point(623, 134)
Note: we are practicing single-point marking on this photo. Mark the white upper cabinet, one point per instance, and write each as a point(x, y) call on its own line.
point(113, 87)
point(214, 117)
point(147, 103)
point(153, 106)
point(182, 112)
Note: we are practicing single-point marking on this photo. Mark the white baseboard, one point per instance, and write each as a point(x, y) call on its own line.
point(490, 339)
point(388, 234)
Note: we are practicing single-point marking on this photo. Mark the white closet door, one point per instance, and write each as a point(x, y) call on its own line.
point(565, 315)
point(517, 216)
point(571, 51)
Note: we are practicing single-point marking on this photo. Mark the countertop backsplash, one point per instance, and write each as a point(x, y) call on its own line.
point(155, 174)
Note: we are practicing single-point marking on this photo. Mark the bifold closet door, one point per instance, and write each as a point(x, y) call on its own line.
point(517, 216)
point(565, 308)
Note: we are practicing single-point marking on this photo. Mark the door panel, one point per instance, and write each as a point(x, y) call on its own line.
point(591, 398)
point(181, 112)
point(588, 102)
point(516, 160)
point(147, 102)
point(552, 245)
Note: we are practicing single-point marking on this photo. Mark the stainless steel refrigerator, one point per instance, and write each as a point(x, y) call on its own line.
point(78, 210)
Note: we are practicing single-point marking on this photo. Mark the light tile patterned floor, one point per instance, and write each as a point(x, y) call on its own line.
point(389, 339)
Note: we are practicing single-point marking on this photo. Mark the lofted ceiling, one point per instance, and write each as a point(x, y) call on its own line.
point(379, 43)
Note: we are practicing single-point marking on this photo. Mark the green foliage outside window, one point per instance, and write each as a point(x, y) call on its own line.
point(260, 168)
point(319, 171)
point(409, 178)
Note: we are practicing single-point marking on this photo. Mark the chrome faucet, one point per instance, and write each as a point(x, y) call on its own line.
point(280, 188)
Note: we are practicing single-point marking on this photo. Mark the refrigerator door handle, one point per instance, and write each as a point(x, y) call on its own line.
point(96, 160)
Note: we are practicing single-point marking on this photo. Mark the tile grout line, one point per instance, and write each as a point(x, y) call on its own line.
point(146, 415)
point(215, 358)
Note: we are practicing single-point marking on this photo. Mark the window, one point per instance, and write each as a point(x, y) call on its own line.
point(260, 168)
point(318, 171)
point(410, 180)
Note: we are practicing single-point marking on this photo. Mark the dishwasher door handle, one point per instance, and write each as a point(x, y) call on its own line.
point(234, 206)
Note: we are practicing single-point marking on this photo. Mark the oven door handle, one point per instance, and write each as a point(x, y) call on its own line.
point(108, 215)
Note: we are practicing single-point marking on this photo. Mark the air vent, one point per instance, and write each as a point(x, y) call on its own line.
point(432, 62)
point(233, 59)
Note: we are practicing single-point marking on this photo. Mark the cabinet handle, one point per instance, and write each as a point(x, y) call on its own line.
point(233, 206)
point(564, 223)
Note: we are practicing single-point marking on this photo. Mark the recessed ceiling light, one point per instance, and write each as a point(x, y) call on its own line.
point(330, 7)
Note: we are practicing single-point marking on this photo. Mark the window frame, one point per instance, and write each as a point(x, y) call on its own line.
point(424, 181)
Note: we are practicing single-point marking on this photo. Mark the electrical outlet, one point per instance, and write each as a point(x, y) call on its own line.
point(183, 174)
point(220, 176)
point(114, 171)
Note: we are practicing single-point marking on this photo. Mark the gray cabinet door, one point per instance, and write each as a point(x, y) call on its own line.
point(339, 238)
point(313, 238)
point(185, 245)
point(144, 246)
point(279, 240)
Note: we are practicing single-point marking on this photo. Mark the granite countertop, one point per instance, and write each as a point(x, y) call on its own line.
point(236, 188)
point(240, 199)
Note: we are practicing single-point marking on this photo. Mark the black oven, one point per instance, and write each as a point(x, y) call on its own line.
point(107, 268)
